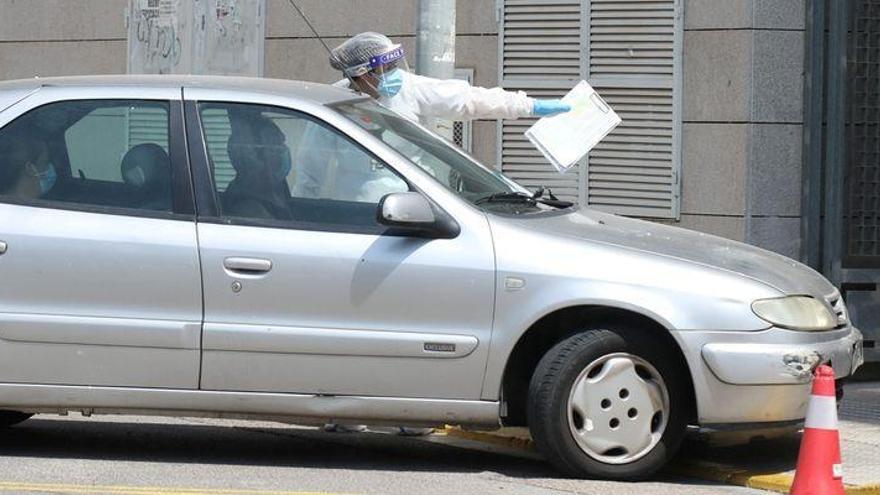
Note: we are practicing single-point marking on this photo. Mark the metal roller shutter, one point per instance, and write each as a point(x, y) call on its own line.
point(147, 125)
point(217, 132)
point(541, 54)
point(629, 50)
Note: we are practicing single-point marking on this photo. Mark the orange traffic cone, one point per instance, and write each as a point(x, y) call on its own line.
point(819, 471)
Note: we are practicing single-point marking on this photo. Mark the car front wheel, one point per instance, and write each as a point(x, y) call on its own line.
point(9, 418)
point(608, 403)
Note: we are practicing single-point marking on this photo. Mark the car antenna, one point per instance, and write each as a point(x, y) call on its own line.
point(301, 13)
point(315, 31)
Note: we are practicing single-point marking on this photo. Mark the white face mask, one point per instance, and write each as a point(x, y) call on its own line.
point(47, 177)
point(135, 176)
point(390, 83)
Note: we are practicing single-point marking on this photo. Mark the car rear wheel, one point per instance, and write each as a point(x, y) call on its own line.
point(608, 403)
point(9, 418)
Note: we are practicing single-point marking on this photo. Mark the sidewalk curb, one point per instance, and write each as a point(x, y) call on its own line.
point(723, 473)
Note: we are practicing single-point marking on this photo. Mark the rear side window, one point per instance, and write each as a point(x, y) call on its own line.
point(111, 153)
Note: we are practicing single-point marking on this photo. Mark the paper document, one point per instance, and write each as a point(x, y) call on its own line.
point(567, 137)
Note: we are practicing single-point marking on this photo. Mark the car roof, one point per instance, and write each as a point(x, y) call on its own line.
point(320, 93)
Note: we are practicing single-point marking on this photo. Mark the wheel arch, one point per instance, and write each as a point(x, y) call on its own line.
point(560, 324)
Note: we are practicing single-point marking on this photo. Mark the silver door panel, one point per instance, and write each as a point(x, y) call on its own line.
point(73, 364)
point(337, 281)
point(342, 375)
point(333, 303)
point(126, 283)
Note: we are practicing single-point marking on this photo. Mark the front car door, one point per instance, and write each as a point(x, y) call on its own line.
point(304, 291)
point(98, 252)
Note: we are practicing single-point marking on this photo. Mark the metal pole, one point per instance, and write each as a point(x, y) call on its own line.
point(811, 199)
point(435, 48)
point(835, 154)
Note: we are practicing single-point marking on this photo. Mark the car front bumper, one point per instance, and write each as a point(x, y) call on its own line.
point(764, 376)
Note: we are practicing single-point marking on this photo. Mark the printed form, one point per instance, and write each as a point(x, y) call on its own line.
point(567, 137)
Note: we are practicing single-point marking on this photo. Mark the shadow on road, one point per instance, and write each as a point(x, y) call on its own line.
point(132, 439)
point(250, 445)
point(763, 456)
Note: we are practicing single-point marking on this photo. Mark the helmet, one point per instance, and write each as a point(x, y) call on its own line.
point(365, 52)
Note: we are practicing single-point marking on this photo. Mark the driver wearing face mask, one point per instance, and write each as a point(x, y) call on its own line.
point(261, 159)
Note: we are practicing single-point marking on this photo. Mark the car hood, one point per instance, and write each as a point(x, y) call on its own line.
point(779, 272)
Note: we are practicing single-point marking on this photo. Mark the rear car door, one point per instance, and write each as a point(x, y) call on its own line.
point(98, 252)
point(303, 290)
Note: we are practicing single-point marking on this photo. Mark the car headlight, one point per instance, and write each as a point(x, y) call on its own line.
point(795, 313)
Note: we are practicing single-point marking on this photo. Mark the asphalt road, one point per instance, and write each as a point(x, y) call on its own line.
point(137, 455)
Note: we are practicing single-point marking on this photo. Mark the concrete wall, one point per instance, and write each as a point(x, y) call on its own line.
point(743, 115)
point(61, 37)
point(742, 106)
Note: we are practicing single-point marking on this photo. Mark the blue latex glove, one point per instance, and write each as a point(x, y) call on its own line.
point(543, 108)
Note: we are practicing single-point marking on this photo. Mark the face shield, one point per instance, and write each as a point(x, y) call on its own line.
point(382, 75)
point(373, 63)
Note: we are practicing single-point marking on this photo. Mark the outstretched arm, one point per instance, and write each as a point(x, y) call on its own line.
point(457, 100)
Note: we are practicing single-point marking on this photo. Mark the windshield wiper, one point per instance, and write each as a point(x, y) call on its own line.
point(521, 197)
point(507, 196)
point(551, 199)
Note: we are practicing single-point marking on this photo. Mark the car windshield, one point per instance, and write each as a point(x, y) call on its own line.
point(454, 169)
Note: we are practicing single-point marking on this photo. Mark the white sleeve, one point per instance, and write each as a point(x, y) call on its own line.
point(312, 161)
point(457, 100)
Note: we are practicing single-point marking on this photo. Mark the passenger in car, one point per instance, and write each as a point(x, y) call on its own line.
point(25, 169)
point(147, 169)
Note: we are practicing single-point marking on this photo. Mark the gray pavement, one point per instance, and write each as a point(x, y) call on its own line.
point(136, 455)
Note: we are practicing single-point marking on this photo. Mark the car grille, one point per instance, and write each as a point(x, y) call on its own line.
point(839, 308)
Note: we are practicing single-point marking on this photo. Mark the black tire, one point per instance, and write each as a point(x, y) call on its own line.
point(550, 389)
point(9, 418)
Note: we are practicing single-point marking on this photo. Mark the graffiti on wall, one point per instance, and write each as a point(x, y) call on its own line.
point(154, 39)
point(233, 37)
point(196, 37)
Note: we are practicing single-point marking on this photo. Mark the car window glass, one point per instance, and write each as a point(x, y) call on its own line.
point(450, 167)
point(103, 153)
point(274, 164)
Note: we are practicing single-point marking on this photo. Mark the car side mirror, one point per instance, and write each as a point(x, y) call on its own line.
point(410, 213)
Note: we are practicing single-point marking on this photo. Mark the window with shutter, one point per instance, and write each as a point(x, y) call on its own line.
point(629, 50)
point(217, 132)
point(147, 125)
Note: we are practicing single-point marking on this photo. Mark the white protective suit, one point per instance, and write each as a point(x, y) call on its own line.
point(423, 97)
point(420, 98)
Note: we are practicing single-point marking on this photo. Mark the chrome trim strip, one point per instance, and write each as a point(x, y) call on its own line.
point(332, 341)
point(93, 330)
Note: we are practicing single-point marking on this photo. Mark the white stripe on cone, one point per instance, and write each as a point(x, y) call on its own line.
point(821, 413)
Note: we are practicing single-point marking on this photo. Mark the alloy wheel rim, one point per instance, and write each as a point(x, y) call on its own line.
point(618, 408)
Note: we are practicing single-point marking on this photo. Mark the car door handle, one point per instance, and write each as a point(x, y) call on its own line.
point(247, 266)
point(2, 247)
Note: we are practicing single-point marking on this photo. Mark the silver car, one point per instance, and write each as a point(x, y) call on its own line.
point(271, 249)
